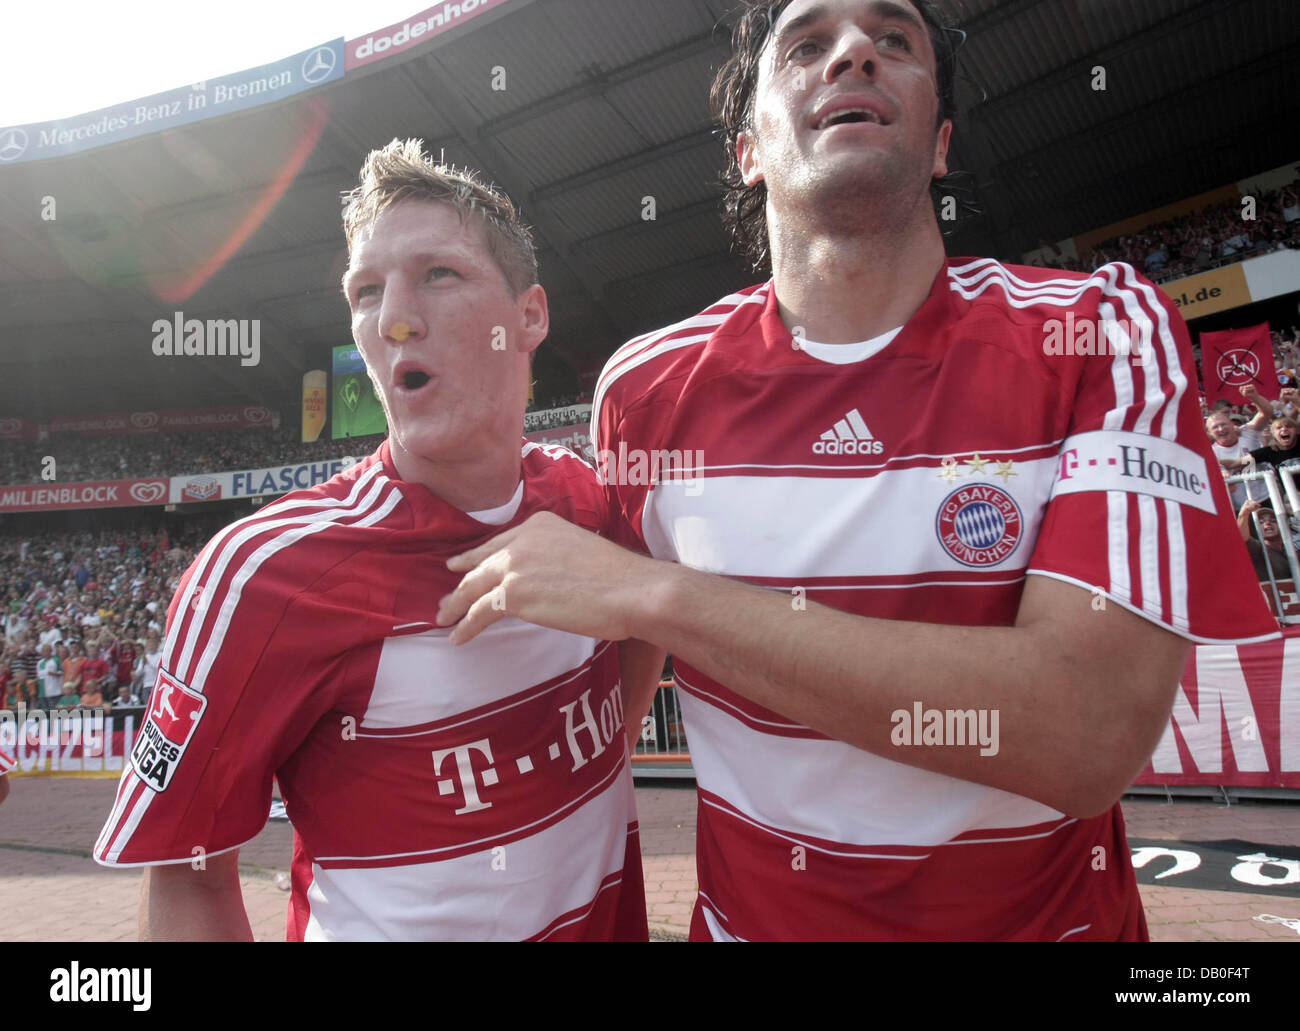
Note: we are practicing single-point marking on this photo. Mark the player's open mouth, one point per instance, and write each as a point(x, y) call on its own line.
point(850, 116)
point(408, 376)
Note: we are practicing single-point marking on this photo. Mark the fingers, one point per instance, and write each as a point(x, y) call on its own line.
point(469, 559)
point(472, 588)
point(481, 615)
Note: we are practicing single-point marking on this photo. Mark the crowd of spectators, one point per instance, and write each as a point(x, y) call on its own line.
point(580, 397)
point(1214, 236)
point(141, 456)
point(1258, 435)
point(82, 615)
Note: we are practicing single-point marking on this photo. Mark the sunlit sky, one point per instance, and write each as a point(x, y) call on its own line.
point(64, 59)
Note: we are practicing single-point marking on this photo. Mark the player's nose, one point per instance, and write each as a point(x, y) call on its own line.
point(400, 317)
point(854, 52)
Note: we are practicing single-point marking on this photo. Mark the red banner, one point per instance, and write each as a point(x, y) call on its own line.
point(175, 420)
point(419, 28)
point(1234, 358)
point(13, 428)
point(41, 497)
point(1236, 719)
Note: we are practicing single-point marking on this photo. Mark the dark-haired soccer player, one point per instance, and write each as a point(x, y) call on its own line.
point(961, 634)
point(435, 792)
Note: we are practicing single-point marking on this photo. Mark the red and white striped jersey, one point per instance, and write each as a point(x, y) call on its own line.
point(7, 762)
point(437, 792)
point(919, 477)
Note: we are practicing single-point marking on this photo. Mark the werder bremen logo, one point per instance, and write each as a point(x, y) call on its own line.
point(351, 393)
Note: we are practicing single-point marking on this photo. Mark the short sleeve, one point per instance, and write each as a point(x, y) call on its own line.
point(608, 442)
point(1138, 509)
point(243, 678)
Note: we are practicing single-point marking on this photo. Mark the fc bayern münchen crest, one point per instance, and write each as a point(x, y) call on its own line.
point(979, 525)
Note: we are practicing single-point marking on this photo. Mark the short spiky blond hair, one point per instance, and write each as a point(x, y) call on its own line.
point(402, 171)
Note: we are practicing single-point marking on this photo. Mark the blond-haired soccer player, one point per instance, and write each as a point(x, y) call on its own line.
point(435, 792)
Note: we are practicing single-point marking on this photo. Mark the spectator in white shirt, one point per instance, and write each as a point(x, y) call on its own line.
point(50, 670)
point(1233, 444)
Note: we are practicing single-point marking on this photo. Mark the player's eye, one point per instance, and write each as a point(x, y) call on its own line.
point(893, 39)
point(803, 50)
point(441, 272)
point(367, 290)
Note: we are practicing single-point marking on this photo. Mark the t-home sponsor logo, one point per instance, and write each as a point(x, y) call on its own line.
point(195, 338)
point(1103, 337)
point(635, 467)
point(1135, 463)
point(953, 727)
point(103, 984)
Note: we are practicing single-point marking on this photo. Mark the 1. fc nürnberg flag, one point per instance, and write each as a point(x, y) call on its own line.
point(1234, 358)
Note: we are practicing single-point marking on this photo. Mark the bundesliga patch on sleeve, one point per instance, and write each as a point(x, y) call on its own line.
point(174, 714)
point(1135, 463)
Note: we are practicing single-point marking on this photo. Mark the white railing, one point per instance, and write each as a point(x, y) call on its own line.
point(1277, 481)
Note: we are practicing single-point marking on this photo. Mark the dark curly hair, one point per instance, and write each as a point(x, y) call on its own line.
point(732, 99)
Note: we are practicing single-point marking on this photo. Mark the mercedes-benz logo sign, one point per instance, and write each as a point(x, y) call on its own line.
point(318, 65)
point(13, 144)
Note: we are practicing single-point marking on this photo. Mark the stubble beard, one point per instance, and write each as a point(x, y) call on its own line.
point(879, 198)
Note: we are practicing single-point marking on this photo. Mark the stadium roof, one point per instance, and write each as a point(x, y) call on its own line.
point(605, 104)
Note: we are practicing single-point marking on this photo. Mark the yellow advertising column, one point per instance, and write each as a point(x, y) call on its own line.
point(314, 386)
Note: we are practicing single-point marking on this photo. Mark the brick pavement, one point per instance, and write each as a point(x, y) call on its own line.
point(51, 890)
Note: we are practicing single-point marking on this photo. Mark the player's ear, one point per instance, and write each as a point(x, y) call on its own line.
point(747, 158)
point(535, 318)
point(941, 149)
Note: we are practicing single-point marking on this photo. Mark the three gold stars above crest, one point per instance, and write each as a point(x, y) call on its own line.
point(951, 468)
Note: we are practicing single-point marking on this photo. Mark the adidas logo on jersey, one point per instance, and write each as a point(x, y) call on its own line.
point(849, 436)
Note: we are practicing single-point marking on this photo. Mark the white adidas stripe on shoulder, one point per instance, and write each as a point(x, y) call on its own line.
point(370, 508)
point(225, 543)
point(288, 531)
point(639, 350)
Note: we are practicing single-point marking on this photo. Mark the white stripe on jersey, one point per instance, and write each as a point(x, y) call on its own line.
point(1178, 600)
point(712, 914)
point(7, 762)
point(1117, 549)
point(321, 515)
point(1051, 446)
point(507, 658)
point(809, 787)
point(470, 898)
point(639, 350)
point(703, 532)
point(1149, 553)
